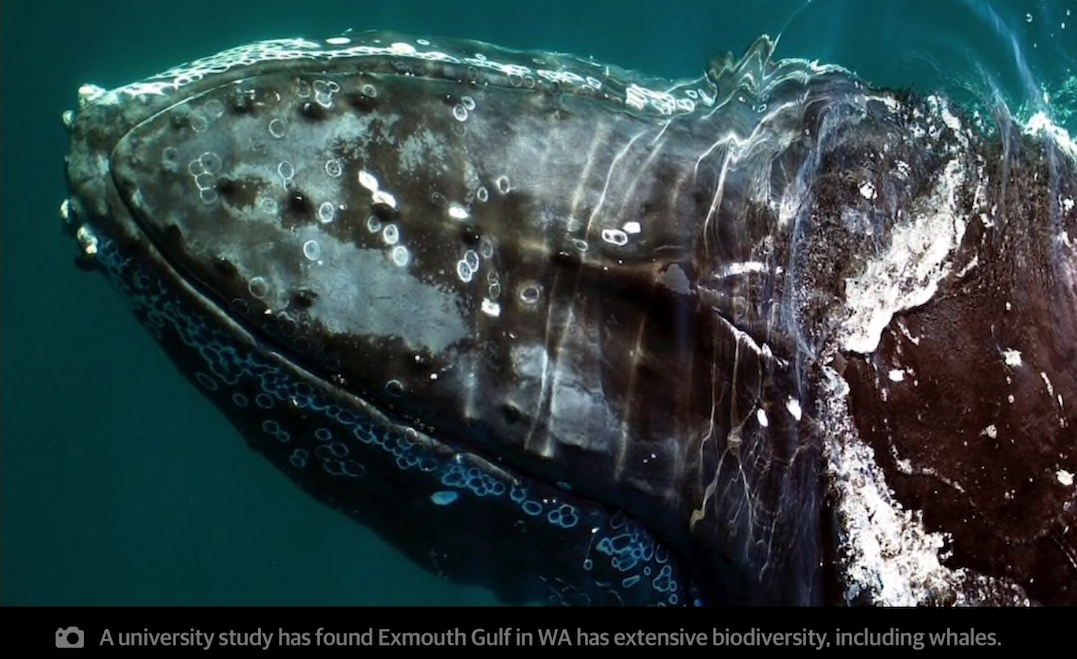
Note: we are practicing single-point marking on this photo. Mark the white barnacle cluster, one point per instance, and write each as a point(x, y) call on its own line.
point(390, 234)
point(888, 557)
point(323, 91)
point(204, 170)
point(908, 272)
point(468, 269)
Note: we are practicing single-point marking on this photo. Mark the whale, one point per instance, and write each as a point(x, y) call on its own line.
point(585, 336)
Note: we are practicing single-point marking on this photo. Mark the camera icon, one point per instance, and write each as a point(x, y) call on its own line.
point(71, 637)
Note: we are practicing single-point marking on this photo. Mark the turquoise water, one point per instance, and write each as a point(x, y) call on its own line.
point(119, 484)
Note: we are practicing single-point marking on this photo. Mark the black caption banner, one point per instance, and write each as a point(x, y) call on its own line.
point(191, 631)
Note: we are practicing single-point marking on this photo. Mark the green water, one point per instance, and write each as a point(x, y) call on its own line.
point(119, 484)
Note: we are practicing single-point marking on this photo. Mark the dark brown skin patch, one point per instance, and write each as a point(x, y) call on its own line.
point(1000, 497)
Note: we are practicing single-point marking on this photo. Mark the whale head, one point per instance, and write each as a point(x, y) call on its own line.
point(563, 330)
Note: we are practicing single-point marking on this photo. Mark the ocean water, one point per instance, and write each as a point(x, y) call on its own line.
point(119, 483)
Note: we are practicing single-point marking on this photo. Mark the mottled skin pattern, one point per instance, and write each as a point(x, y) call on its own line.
point(985, 439)
point(564, 333)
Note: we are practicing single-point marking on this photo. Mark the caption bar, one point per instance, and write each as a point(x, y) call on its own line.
point(520, 637)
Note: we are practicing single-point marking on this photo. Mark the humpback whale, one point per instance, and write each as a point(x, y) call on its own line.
point(583, 336)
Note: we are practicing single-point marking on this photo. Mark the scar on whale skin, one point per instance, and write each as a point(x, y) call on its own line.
point(584, 336)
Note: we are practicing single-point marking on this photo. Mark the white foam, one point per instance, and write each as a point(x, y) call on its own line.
point(1041, 124)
